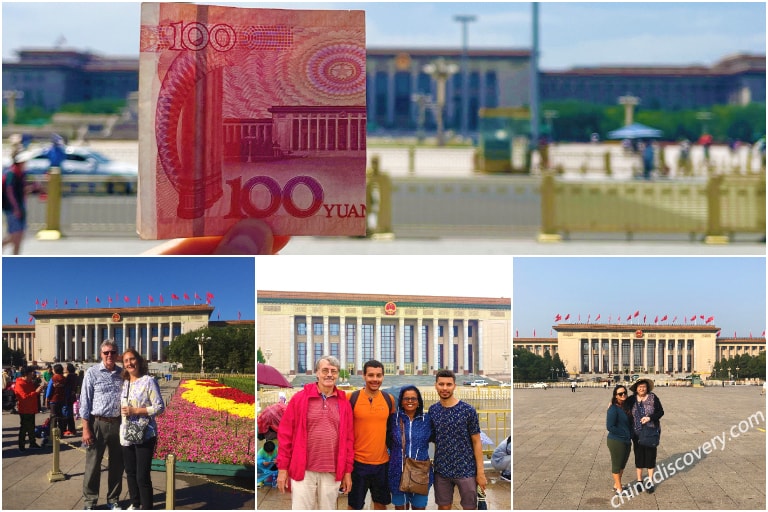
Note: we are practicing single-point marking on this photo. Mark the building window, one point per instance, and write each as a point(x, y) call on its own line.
point(317, 329)
point(455, 331)
point(638, 355)
point(333, 329)
point(440, 331)
point(302, 356)
point(584, 356)
point(318, 353)
point(367, 342)
point(624, 354)
point(650, 355)
point(469, 331)
point(351, 342)
point(335, 350)
point(424, 344)
point(387, 343)
point(301, 329)
point(408, 335)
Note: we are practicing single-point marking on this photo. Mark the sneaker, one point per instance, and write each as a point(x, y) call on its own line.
point(638, 487)
point(132, 507)
point(67, 433)
point(504, 475)
point(22, 449)
point(651, 488)
point(114, 506)
point(35, 447)
point(88, 507)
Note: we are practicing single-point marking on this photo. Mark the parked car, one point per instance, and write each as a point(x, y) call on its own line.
point(538, 385)
point(476, 383)
point(81, 162)
point(505, 385)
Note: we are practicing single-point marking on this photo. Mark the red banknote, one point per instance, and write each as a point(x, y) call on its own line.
point(251, 113)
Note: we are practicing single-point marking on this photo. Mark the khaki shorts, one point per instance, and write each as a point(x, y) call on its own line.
point(467, 490)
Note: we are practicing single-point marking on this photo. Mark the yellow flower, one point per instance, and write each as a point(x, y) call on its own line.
point(198, 393)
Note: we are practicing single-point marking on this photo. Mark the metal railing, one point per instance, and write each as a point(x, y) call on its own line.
point(717, 207)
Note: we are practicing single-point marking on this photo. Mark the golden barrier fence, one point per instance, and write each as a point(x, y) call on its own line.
point(717, 207)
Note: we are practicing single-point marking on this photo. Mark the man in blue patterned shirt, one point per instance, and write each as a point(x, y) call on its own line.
point(458, 449)
point(100, 410)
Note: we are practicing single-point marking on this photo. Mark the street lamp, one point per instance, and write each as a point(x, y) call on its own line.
point(422, 101)
point(440, 70)
point(737, 373)
point(465, 20)
point(505, 355)
point(201, 340)
point(268, 354)
point(629, 102)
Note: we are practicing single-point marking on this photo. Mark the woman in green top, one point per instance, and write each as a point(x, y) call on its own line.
point(618, 423)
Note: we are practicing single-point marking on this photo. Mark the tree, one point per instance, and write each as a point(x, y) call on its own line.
point(13, 357)
point(260, 357)
point(229, 350)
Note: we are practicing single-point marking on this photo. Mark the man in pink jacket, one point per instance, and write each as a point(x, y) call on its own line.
point(316, 442)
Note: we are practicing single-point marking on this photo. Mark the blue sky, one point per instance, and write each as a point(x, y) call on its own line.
point(571, 33)
point(25, 280)
point(730, 289)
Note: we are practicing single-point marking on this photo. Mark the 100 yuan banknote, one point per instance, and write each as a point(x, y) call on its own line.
point(251, 113)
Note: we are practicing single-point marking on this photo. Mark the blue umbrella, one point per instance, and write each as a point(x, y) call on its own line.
point(635, 131)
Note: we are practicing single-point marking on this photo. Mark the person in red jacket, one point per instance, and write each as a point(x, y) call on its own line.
point(316, 440)
point(27, 395)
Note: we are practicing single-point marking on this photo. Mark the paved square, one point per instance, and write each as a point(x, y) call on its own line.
point(561, 461)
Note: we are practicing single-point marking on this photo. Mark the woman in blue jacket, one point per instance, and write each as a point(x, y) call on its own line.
point(618, 423)
point(412, 423)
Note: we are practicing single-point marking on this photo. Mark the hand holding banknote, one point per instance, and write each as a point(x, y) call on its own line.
point(247, 237)
point(251, 114)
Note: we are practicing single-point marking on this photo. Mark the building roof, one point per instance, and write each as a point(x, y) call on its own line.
point(635, 327)
point(108, 311)
point(361, 299)
point(448, 52)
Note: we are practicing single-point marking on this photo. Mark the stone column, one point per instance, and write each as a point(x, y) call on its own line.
point(292, 345)
point(66, 343)
point(449, 340)
point(326, 341)
point(675, 367)
point(465, 325)
point(159, 340)
point(343, 342)
point(401, 346)
point(77, 345)
point(310, 346)
point(436, 344)
point(621, 358)
point(377, 339)
point(479, 343)
point(418, 347)
point(359, 345)
point(685, 356)
point(589, 355)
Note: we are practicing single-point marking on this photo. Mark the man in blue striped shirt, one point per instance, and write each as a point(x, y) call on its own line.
point(100, 410)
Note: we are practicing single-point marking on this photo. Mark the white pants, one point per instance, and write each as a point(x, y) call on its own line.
point(318, 491)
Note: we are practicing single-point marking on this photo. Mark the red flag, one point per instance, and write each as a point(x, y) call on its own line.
point(644, 318)
point(138, 300)
point(718, 333)
point(161, 299)
point(597, 317)
point(126, 299)
point(86, 300)
point(45, 303)
point(209, 296)
point(701, 316)
point(693, 318)
point(151, 298)
point(31, 319)
point(186, 297)
point(750, 333)
point(17, 320)
point(238, 315)
point(637, 313)
point(517, 333)
point(589, 317)
point(734, 334)
point(37, 302)
point(218, 316)
point(534, 333)
point(109, 299)
point(629, 317)
point(174, 296)
point(75, 301)
point(558, 317)
point(656, 320)
point(197, 296)
point(98, 299)
point(674, 319)
point(664, 318)
point(65, 302)
point(567, 316)
point(56, 302)
point(710, 319)
point(763, 335)
point(579, 317)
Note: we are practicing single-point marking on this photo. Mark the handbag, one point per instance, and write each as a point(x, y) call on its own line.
point(135, 430)
point(415, 477)
point(649, 436)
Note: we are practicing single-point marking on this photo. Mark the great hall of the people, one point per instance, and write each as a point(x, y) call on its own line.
point(409, 334)
point(75, 334)
point(633, 348)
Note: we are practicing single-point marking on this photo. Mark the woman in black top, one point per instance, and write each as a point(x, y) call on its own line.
point(646, 410)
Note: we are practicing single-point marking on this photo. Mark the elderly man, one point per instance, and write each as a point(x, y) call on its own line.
point(316, 440)
point(100, 410)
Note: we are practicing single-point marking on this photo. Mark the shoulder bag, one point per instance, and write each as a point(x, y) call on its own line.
point(415, 477)
point(135, 430)
point(649, 436)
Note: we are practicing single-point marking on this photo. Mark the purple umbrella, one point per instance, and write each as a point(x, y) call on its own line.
point(269, 376)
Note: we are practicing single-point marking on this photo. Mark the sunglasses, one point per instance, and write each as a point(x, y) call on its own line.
point(409, 399)
point(623, 393)
point(110, 353)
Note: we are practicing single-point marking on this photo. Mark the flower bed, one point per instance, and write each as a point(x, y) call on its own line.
point(199, 427)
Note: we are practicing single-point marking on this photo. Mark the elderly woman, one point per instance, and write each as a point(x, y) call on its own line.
point(410, 424)
point(646, 410)
point(618, 422)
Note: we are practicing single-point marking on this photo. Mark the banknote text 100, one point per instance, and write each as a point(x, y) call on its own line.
point(242, 206)
point(196, 36)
